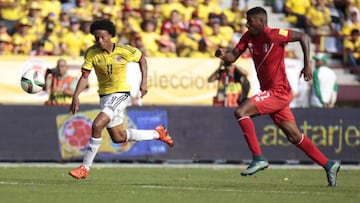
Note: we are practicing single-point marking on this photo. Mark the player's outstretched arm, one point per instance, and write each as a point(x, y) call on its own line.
point(228, 56)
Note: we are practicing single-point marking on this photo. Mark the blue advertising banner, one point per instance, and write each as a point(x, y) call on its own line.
point(200, 134)
point(74, 133)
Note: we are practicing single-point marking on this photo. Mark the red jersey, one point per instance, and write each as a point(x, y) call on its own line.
point(267, 51)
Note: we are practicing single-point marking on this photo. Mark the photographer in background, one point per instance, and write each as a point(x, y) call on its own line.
point(59, 84)
point(233, 85)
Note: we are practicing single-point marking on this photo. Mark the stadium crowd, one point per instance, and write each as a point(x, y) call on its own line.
point(332, 24)
point(159, 28)
point(168, 28)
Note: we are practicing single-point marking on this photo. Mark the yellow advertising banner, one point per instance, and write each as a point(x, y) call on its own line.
point(180, 81)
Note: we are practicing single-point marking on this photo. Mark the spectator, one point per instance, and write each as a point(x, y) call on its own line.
point(73, 41)
point(351, 51)
point(81, 10)
point(233, 85)
point(168, 6)
point(64, 22)
point(5, 35)
point(50, 42)
point(318, 19)
point(173, 26)
point(202, 51)
point(325, 89)
point(52, 22)
point(136, 41)
point(150, 38)
point(136, 4)
point(187, 8)
point(59, 84)
point(337, 17)
point(17, 47)
point(11, 12)
point(88, 37)
point(39, 49)
point(95, 7)
point(227, 29)
point(189, 41)
point(148, 13)
point(128, 24)
point(234, 14)
point(51, 6)
point(296, 12)
point(4, 41)
point(23, 38)
point(352, 22)
point(206, 8)
point(195, 20)
point(333, 44)
point(36, 20)
point(216, 39)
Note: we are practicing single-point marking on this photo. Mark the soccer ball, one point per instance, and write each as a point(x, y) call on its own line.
point(32, 82)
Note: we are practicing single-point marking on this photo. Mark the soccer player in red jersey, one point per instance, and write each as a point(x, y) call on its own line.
point(267, 47)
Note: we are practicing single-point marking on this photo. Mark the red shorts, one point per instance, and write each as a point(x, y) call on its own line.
point(275, 103)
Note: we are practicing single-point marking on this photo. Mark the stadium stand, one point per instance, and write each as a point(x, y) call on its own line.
point(49, 23)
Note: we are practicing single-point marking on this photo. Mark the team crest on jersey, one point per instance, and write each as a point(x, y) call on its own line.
point(266, 47)
point(118, 59)
point(251, 49)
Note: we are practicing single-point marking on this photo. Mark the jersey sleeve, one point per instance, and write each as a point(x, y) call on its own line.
point(132, 54)
point(242, 44)
point(281, 36)
point(87, 65)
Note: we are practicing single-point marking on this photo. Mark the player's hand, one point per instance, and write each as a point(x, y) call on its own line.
point(307, 73)
point(74, 107)
point(143, 90)
point(220, 53)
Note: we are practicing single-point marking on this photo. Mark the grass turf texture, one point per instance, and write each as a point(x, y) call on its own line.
point(172, 184)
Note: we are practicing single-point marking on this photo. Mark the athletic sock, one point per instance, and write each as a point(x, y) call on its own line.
point(328, 165)
point(91, 152)
point(140, 135)
point(248, 128)
point(259, 158)
point(307, 146)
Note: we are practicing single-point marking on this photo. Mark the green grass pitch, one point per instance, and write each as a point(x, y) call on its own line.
point(52, 184)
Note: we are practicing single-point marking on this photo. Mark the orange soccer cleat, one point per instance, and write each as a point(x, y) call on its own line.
point(164, 135)
point(79, 172)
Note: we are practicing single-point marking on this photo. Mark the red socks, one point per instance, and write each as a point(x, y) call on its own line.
point(307, 146)
point(248, 128)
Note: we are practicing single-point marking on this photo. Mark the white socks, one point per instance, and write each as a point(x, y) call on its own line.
point(132, 135)
point(140, 135)
point(91, 152)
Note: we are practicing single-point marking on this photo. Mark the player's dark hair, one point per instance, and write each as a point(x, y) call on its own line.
point(256, 11)
point(103, 24)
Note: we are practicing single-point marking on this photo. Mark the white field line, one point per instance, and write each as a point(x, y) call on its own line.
point(184, 188)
